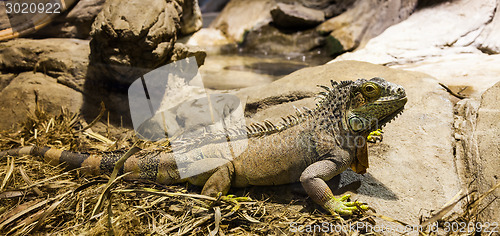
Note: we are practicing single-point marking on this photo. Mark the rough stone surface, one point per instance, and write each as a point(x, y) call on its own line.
point(442, 41)
point(182, 51)
point(270, 40)
point(128, 39)
point(137, 34)
point(63, 59)
point(477, 125)
point(277, 26)
point(191, 17)
point(363, 21)
point(210, 39)
point(240, 16)
point(412, 170)
point(489, 38)
point(296, 16)
point(19, 96)
point(55, 69)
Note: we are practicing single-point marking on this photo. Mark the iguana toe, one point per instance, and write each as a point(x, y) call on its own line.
point(232, 199)
point(375, 136)
point(341, 206)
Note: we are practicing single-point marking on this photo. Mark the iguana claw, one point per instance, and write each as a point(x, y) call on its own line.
point(341, 206)
point(375, 136)
point(235, 201)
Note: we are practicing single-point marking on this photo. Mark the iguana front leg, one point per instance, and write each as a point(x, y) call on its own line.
point(313, 180)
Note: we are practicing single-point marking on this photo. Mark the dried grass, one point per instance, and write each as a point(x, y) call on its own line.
point(36, 198)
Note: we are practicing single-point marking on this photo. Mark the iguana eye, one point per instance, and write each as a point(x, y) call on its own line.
point(370, 89)
point(356, 124)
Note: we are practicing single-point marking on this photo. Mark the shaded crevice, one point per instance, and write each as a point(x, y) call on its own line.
point(430, 3)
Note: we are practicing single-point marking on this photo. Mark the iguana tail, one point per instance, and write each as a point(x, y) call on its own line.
point(161, 168)
point(50, 155)
point(17, 25)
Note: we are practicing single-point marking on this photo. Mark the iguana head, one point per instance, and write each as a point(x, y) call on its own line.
point(372, 104)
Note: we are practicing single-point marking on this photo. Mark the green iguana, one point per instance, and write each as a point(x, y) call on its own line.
point(311, 147)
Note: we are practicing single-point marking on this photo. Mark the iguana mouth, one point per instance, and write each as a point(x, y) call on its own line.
point(392, 116)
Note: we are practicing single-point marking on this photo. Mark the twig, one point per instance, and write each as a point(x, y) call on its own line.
point(451, 92)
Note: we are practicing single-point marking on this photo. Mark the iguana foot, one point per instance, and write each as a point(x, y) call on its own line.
point(235, 201)
point(340, 206)
point(375, 136)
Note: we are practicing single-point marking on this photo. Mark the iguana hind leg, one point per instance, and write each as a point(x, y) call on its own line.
point(313, 180)
point(220, 181)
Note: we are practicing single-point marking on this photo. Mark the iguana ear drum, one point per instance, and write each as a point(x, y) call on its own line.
point(356, 124)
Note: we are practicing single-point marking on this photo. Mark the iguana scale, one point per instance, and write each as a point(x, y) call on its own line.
point(311, 147)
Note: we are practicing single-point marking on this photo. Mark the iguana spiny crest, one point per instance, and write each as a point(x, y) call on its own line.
point(358, 107)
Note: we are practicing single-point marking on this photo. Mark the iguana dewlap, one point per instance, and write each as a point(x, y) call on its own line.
point(311, 147)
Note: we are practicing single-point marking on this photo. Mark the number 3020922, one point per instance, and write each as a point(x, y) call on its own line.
point(32, 8)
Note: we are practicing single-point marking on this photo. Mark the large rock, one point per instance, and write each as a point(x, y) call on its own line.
point(210, 39)
point(240, 16)
point(489, 39)
point(139, 34)
point(278, 27)
point(412, 170)
point(441, 40)
point(20, 95)
point(270, 40)
point(477, 124)
point(53, 70)
point(365, 20)
point(191, 17)
point(294, 16)
point(129, 39)
point(63, 59)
